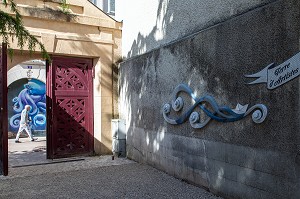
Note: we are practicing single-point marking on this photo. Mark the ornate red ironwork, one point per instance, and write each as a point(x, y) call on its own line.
point(3, 111)
point(72, 119)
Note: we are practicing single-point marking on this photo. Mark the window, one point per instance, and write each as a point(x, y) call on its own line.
point(111, 7)
point(107, 6)
point(97, 3)
point(93, 1)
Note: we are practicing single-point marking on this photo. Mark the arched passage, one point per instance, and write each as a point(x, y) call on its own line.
point(33, 69)
point(92, 35)
point(33, 93)
point(27, 86)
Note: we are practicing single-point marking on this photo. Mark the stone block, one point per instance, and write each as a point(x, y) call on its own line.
point(188, 145)
point(232, 189)
point(215, 150)
point(267, 182)
point(170, 166)
point(195, 162)
point(249, 177)
point(295, 192)
point(178, 169)
point(216, 167)
point(194, 176)
point(277, 163)
point(240, 155)
point(167, 141)
point(135, 154)
point(162, 163)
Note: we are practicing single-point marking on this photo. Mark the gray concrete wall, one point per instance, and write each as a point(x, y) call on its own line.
point(149, 24)
point(235, 160)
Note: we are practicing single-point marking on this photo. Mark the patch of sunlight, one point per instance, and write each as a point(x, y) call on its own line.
point(161, 22)
point(155, 146)
point(140, 115)
point(142, 49)
point(143, 89)
point(159, 34)
point(244, 174)
point(21, 152)
point(171, 18)
point(220, 177)
point(202, 81)
point(161, 134)
point(195, 94)
point(125, 106)
point(147, 139)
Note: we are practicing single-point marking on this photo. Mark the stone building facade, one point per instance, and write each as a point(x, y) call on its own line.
point(209, 46)
point(84, 32)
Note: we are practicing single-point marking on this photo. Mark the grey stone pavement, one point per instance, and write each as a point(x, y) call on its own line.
point(31, 175)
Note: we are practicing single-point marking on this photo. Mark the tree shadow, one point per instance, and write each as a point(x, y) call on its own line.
point(177, 19)
point(214, 61)
point(26, 152)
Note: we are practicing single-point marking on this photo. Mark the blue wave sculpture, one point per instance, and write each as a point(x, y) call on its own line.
point(33, 94)
point(218, 113)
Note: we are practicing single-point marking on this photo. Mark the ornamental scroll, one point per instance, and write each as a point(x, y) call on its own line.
point(211, 108)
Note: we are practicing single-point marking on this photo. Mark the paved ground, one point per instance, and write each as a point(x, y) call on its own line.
point(27, 152)
point(90, 177)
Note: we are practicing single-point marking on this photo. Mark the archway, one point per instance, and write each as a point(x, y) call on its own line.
point(27, 85)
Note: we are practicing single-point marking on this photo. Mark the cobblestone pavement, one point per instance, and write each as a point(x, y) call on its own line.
point(92, 177)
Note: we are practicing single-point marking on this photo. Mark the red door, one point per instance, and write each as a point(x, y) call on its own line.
point(3, 111)
point(70, 107)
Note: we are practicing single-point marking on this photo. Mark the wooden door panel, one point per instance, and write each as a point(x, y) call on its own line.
point(72, 104)
point(71, 131)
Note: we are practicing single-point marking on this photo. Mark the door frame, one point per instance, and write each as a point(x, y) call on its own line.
point(4, 115)
point(49, 114)
point(49, 148)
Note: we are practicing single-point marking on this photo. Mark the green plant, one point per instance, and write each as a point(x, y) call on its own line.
point(11, 27)
point(65, 7)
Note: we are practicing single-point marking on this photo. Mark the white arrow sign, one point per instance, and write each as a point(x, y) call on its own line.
point(275, 76)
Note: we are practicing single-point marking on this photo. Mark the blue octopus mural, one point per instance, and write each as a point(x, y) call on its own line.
point(33, 94)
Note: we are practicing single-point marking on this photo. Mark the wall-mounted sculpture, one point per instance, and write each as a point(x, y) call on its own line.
point(275, 76)
point(211, 108)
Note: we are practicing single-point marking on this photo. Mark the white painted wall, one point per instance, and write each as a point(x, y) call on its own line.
point(36, 69)
point(148, 24)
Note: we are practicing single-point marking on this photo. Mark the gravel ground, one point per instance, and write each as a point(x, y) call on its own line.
point(96, 178)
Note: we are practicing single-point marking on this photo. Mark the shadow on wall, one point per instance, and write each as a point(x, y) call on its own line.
point(205, 62)
point(107, 84)
point(176, 19)
point(71, 133)
point(165, 16)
